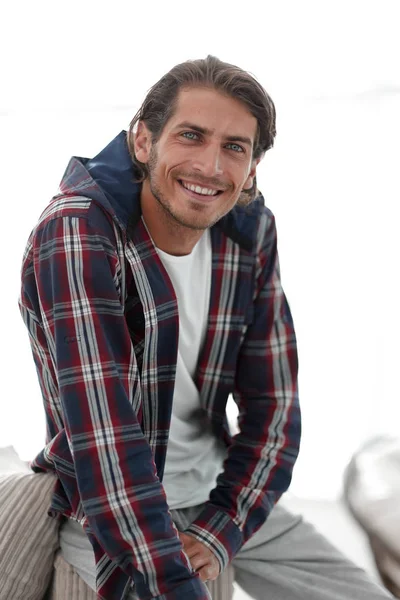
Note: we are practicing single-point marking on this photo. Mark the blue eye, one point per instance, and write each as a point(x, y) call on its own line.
point(190, 133)
point(236, 147)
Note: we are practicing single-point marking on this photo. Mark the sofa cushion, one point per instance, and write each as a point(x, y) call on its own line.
point(67, 584)
point(372, 492)
point(372, 489)
point(29, 537)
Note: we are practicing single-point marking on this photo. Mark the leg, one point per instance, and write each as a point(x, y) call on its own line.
point(287, 559)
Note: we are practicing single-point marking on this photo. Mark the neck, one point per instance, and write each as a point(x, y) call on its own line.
point(166, 232)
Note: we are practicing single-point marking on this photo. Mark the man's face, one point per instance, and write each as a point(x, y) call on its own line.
point(203, 159)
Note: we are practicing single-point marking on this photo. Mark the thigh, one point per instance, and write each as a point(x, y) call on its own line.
point(287, 559)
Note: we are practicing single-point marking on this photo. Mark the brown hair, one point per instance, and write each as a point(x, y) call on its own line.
point(160, 102)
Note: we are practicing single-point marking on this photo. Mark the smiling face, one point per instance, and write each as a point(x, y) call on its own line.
point(199, 165)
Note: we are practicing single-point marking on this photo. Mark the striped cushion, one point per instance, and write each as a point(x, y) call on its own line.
point(222, 587)
point(28, 536)
point(67, 584)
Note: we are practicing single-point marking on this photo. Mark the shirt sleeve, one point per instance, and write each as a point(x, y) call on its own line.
point(260, 460)
point(88, 345)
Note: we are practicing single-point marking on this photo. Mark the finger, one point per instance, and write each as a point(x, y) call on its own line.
point(203, 574)
point(198, 562)
point(208, 573)
point(193, 551)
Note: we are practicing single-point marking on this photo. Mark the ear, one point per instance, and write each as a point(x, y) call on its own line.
point(250, 178)
point(142, 142)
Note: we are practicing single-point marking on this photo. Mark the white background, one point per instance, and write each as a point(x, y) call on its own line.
point(72, 76)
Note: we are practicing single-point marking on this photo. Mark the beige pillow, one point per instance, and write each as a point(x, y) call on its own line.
point(372, 489)
point(28, 536)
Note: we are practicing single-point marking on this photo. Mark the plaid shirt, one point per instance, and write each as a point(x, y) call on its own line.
point(103, 324)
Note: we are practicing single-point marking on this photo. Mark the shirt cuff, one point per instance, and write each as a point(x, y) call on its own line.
point(216, 530)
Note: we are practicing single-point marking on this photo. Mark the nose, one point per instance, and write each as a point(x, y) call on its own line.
point(208, 160)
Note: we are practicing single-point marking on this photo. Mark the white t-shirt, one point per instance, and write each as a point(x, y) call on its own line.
point(194, 456)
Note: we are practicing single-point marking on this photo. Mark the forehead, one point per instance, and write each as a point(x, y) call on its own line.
point(213, 110)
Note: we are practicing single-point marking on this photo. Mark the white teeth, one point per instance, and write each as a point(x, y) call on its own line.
point(199, 190)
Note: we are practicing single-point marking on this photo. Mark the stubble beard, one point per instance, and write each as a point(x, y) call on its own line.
point(171, 216)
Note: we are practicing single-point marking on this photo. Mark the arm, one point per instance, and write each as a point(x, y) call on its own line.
point(261, 458)
point(81, 315)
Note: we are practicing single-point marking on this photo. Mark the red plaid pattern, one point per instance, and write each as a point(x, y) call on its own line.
point(102, 319)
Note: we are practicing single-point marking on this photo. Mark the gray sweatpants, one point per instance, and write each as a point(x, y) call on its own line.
point(287, 559)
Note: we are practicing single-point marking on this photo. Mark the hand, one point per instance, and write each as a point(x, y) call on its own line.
point(202, 559)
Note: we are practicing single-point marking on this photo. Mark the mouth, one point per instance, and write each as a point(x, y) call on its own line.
point(202, 193)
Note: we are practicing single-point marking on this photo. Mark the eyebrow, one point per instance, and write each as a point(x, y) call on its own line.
point(204, 131)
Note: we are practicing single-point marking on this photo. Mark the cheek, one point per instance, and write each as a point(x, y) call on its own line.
point(239, 183)
point(161, 171)
point(170, 165)
point(240, 175)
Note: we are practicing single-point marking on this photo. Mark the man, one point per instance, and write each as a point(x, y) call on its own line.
point(151, 291)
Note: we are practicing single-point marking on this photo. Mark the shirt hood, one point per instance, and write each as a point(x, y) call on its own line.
point(107, 179)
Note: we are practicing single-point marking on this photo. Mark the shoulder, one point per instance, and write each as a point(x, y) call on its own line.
point(64, 207)
point(250, 225)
